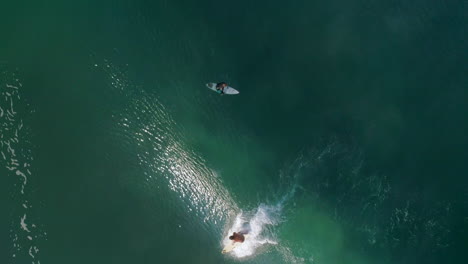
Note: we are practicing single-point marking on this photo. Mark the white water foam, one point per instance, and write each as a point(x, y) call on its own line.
point(16, 157)
point(257, 229)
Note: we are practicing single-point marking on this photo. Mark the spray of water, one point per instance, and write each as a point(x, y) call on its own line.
point(256, 225)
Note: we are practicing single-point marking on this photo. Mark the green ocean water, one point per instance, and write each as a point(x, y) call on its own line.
point(346, 144)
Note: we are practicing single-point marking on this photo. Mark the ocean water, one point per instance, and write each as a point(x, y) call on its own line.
point(346, 144)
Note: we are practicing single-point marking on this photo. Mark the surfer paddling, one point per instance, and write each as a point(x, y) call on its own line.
point(237, 237)
point(220, 87)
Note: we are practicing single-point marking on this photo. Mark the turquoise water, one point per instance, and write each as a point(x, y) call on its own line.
point(346, 143)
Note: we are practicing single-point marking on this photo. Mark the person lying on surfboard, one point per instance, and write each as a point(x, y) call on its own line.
point(237, 237)
point(220, 87)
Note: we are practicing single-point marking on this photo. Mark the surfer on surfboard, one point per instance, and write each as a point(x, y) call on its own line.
point(237, 237)
point(220, 87)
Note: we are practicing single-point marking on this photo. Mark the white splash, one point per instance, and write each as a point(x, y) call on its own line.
point(256, 228)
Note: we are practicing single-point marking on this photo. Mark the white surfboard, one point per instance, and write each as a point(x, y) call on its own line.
point(232, 245)
point(227, 90)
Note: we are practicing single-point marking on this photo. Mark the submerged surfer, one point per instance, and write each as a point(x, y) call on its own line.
point(237, 237)
point(220, 87)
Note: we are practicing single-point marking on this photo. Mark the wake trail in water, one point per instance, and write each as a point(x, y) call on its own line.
point(146, 128)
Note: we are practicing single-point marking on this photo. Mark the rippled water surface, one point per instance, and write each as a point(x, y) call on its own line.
point(346, 144)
